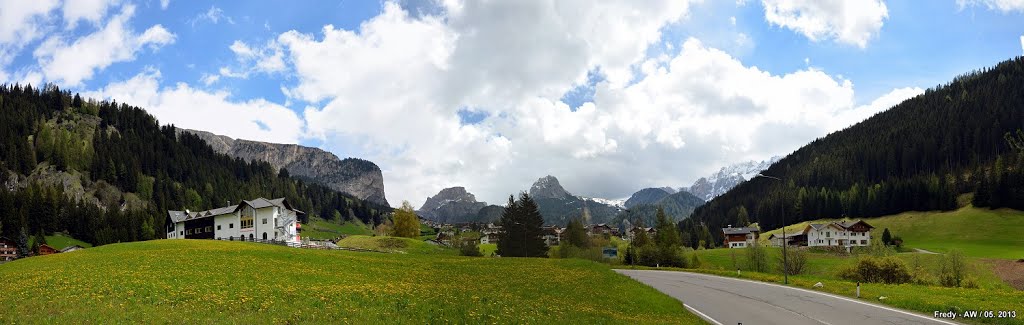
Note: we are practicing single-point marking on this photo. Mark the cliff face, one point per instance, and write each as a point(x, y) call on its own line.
point(451, 205)
point(360, 178)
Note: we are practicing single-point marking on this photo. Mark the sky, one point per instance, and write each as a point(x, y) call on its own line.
point(608, 96)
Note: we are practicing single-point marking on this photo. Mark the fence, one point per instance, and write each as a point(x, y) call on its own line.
point(299, 244)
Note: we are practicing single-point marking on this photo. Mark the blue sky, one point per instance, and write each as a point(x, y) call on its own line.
point(610, 97)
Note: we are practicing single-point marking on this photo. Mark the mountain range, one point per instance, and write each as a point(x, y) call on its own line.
point(358, 177)
point(727, 177)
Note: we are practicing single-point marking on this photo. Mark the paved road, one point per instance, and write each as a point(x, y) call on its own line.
point(730, 301)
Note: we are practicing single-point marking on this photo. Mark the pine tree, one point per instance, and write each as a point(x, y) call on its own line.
point(22, 243)
point(640, 239)
point(533, 226)
point(668, 234)
point(886, 237)
point(510, 239)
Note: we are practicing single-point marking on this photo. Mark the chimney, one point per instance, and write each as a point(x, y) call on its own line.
point(229, 202)
point(187, 212)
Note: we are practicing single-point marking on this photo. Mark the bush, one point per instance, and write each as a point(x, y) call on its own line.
point(888, 270)
point(469, 247)
point(794, 262)
point(953, 269)
point(590, 253)
point(757, 258)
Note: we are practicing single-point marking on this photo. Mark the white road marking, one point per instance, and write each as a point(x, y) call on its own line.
point(702, 315)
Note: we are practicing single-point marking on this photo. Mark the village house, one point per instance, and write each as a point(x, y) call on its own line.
point(552, 235)
point(489, 237)
point(71, 248)
point(599, 229)
point(632, 233)
point(740, 237)
point(8, 249)
point(792, 239)
point(45, 249)
point(258, 219)
point(840, 234)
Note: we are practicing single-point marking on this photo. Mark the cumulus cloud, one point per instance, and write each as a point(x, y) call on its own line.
point(1001, 5)
point(164, 4)
point(88, 10)
point(115, 42)
point(392, 89)
point(266, 59)
point(23, 22)
point(1022, 44)
point(850, 22)
point(181, 104)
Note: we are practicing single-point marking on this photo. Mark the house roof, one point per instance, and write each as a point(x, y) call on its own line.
point(258, 203)
point(843, 225)
point(740, 230)
point(850, 223)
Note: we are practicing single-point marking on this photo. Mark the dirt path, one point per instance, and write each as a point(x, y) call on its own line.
point(924, 251)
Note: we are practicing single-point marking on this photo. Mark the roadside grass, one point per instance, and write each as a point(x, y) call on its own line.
point(922, 299)
point(978, 232)
point(395, 245)
point(205, 281)
point(827, 265)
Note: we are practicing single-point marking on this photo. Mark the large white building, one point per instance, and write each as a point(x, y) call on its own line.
point(842, 234)
point(258, 219)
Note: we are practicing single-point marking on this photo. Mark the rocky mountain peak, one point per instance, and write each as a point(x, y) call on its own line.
point(728, 177)
point(357, 177)
point(453, 204)
point(548, 187)
point(451, 194)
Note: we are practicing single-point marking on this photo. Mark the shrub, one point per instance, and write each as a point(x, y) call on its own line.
point(889, 270)
point(794, 262)
point(695, 261)
point(953, 269)
point(469, 247)
point(757, 258)
point(590, 253)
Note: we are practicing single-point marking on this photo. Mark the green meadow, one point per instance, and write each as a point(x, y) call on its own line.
point(978, 232)
point(205, 281)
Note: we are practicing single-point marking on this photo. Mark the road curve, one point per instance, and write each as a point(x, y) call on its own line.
point(730, 301)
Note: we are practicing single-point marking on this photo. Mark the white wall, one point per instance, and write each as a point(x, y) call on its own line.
point(227, 225)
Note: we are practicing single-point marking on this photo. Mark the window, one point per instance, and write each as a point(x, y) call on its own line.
point(181, 233)
point(188, 232)
point(231, 226)
point(246, 223)
point(264, 220)
point(218, 227)
point(208, 229)
point(863, 242)
point(828, 234)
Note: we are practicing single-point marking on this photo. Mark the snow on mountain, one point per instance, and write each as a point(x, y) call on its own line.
point(620, 203)
point(728, 177)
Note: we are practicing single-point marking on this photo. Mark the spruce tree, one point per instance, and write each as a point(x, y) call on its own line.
point(575, 234)
point(22, 243)
point(533, 223)
point(510, 237)
point(886, 237)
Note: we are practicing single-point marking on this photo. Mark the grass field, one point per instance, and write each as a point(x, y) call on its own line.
point(199, 281)
point(395, 245)
point(325, 229)
point(977, 232)
point(488, 249)
point(60, 241)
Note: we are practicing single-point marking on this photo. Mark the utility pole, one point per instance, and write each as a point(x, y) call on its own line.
point(785, 241)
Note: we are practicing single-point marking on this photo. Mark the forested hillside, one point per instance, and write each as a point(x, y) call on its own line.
point(919, 155)
point(106, 172)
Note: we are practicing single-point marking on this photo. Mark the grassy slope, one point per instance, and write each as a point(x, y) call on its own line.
point(59, 241)
point(213, 281)
point(394, 244)
point(977, 232)
point(323, 229)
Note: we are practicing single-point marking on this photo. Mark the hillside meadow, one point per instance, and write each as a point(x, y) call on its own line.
point(978, 232)
point(203, 281)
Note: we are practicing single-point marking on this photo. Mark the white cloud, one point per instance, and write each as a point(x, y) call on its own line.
point(87, 10)
point(213, 15)
point(860, 113)
point(180, 105)
point(22, 22)
point(1005, 6)
point(164, 4)
point(209, 79)
point(391, 90)
point(267, 59)
point(851, 22)
point(115, 42)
